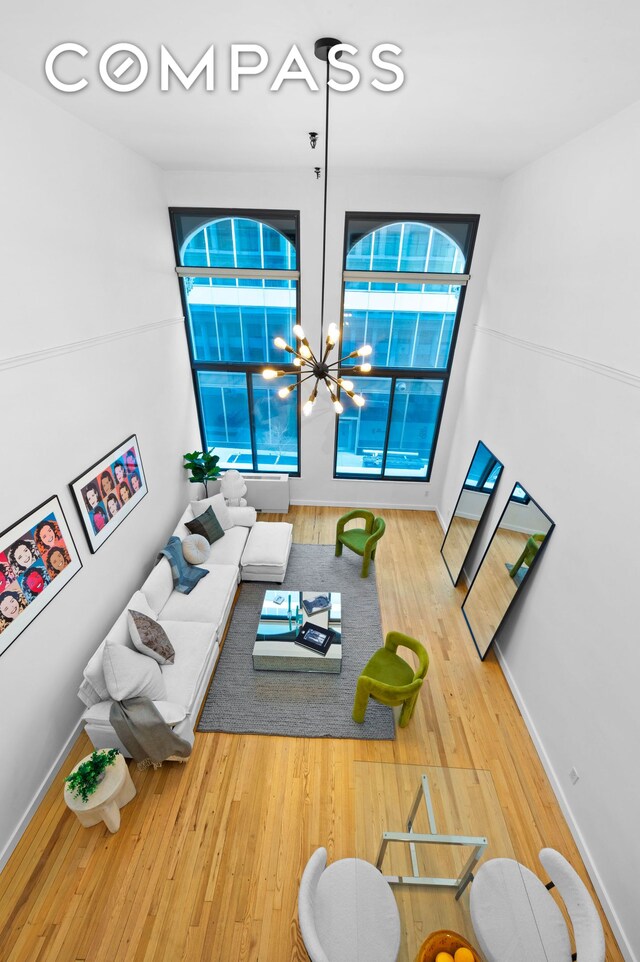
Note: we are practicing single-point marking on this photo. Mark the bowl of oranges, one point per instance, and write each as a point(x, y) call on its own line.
point(445, 946)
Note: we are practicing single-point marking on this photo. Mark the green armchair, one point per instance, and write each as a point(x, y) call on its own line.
point(390, 680)
point(530, 551)
point(363, 541)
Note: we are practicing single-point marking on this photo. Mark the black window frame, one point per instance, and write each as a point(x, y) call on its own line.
point(376, 221)
point(271, 218)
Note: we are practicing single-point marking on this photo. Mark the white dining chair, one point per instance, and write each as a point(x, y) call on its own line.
point(347, 912)
point(588, 934)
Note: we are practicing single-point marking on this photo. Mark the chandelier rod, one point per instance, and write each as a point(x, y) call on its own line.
point(324, 212)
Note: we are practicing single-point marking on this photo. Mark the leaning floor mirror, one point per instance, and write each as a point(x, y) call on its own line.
point(477, 490)
point(518, 541)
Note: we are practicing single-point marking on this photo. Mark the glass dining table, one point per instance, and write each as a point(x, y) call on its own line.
point(504, 913)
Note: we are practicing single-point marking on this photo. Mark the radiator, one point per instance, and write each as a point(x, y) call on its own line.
point(268, 492)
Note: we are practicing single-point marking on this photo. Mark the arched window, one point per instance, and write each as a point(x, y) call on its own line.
point(404, 280)
point(239, 280)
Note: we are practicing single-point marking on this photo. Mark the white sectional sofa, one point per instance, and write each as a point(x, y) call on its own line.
point(195, 624)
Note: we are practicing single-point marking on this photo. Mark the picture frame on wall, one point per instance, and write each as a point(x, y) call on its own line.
point(107, 492)
point(38, 557)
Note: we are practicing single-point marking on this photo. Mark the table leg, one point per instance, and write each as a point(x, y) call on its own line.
point(111, 816)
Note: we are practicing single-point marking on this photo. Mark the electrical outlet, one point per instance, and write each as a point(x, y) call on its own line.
point(573, 775)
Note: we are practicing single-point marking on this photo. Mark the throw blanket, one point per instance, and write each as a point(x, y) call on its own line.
point(185, 576)
point(144, 732)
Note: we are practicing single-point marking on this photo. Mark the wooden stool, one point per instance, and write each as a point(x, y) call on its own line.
point(113, 792)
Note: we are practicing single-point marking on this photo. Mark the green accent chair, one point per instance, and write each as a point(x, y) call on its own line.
point(364, 541)
point(530, 551)
point(390, 680)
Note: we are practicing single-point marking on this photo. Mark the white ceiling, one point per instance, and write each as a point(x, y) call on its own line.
point(490, 84)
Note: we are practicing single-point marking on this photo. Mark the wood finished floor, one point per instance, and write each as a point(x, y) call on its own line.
point(209, 855)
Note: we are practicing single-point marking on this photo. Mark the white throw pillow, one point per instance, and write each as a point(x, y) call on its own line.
point(196, 549)
point(220, 509)
point(128, 673)
point(139, 603)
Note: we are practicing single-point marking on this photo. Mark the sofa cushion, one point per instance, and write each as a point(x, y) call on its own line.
point(98, 714)
point(219, 508)
point(94, 686)
point(207, 525)
point(158, 585)
point(228, 550)
point(208, 600)
point(266, 553)
point(140, 603)
point(128, 673)
point(193, 644)
point(196, 549)
point(150, 638)
point(244, 516)
point(181, 531)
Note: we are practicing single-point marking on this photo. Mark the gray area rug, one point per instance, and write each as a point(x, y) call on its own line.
point(303, 704)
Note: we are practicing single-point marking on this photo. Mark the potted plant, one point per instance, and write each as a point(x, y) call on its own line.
point(203, 467)
point(85, 779)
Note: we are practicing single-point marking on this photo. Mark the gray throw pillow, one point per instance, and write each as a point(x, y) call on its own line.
point(196, 549)
point(150, 638)
point(207, 525)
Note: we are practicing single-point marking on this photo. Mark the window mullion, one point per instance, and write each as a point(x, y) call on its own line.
point(252, 426)
point(388, 429)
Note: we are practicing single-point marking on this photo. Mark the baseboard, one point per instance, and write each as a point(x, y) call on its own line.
point(443, 523)
point(37, 798)
point(583, 848)
point(364, 504)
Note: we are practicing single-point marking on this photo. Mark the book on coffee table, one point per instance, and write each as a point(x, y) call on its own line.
point(315, 638)
point(320, 603)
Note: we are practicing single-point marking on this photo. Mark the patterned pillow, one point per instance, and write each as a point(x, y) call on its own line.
point(196, 549)
point(150, 638)
point(207, 525)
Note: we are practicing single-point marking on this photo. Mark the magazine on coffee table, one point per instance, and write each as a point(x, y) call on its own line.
point(320, 603)
point(315, 638)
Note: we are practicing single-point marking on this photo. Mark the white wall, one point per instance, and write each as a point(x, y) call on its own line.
point(92, 350)
point(354, 192)
point(552, 388)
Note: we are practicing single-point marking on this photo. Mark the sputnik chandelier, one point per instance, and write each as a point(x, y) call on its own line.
point(319, 365)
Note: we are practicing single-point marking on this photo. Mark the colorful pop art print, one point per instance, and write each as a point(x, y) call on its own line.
point(38, 557)
point(107, 492)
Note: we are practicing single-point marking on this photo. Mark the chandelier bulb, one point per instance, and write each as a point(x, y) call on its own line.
point(365, 368)
point(359, 400)
point(339, 408)
point(364, 351)
point(298, 332)
point(280, 342)
point(308, 408)
point(347, 385)
point(305, 351)
point(286, 391)
point(269, 374)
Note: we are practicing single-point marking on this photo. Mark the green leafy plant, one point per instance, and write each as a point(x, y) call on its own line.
point(86, 778)
point(203, 467)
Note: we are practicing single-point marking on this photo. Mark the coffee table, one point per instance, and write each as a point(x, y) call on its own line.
point(281, 618)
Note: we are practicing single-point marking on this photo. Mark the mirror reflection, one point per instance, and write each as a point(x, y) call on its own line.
point(516, 545)
point(475, 495)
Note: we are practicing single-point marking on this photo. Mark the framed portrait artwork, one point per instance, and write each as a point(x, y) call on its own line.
point(107, 492)
point(38, 557)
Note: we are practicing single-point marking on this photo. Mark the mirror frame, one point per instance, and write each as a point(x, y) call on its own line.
point(533, 564)
point(480, 519)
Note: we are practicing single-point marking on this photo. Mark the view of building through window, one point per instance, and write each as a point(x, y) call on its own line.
point(404, 282)
point(240, 290)
point(403, 292)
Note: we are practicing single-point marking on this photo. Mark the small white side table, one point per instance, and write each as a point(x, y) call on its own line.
point(113, 792)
